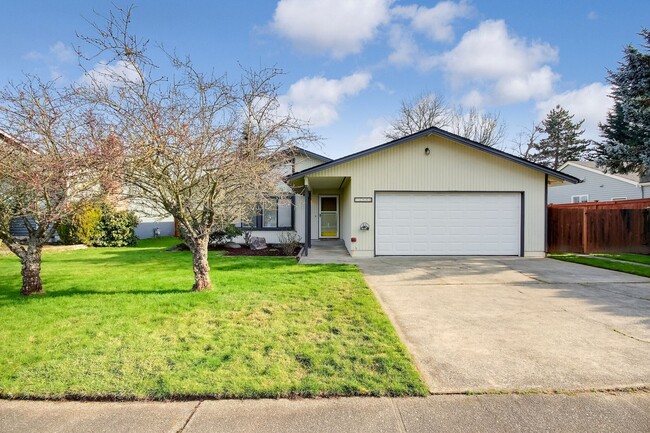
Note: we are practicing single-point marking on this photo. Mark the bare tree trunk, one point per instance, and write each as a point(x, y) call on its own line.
point(31, 271)
point(200, 266)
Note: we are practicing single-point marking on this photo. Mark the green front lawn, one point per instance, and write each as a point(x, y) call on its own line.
point(122, 323)
point(636, 258)
point(630, 268)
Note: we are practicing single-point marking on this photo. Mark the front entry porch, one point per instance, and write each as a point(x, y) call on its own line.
point(325, 251)
point(326, 218)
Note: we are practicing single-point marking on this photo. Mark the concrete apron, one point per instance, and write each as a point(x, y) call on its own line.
point(516, 324)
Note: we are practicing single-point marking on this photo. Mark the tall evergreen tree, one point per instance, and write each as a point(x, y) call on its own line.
point(562, 141)
point(626, 131)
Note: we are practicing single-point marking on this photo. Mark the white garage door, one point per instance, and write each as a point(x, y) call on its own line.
point(448, 224)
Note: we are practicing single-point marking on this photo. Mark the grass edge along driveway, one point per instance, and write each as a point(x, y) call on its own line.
point(122, 323)
point(602, 262)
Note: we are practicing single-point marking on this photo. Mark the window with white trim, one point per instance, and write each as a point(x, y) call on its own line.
point(582, 198)
point(275, 215)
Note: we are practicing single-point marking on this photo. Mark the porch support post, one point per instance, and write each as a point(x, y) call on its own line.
point(307, 221)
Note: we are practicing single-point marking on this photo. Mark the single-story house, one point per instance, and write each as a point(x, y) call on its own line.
point(285, 214)
point(429, 193)
point(596, 185)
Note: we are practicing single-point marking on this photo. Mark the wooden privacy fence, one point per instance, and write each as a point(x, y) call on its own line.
point(600, 227)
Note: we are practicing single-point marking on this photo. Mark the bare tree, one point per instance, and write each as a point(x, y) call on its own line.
point(527, 140)
point(50, 159)
point(430, 110)
point(196, 146)
point(422, 112)
point(484, 128)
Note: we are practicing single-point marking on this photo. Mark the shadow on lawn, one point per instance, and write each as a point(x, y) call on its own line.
point(9, 295)
point(101, 264)
point(169, 260)
point(75, 291)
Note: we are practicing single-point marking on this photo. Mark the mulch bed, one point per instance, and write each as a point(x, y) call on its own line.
point(243, 251)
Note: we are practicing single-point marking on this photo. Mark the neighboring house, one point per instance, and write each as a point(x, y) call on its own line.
point(430, 193)
point(596, 185)
point(17, 226)
point(270, 222)
point(152, 225)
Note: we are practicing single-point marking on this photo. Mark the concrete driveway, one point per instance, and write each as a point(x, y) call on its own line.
point(483, 324)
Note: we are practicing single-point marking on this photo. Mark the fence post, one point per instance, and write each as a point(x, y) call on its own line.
point(585, 232)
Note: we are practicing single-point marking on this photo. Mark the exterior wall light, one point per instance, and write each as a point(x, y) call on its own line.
point(427, 151)
point(364, 226)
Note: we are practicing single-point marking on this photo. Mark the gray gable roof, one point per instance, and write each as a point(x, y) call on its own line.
point(441, 133)
point(310, 154)
point(634, 177)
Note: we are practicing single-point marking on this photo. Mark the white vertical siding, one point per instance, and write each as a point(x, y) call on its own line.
point(450, 166)
point(299, 217)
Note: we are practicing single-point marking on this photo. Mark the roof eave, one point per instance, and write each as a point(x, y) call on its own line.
point(444, 134)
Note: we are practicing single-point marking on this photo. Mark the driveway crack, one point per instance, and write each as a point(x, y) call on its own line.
point(189, 418)
point(398, 416)
point(630, 336)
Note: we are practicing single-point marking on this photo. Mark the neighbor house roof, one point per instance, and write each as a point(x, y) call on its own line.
point(310, 154)
point(11, 141)
point(633, 178)
point(444, 134)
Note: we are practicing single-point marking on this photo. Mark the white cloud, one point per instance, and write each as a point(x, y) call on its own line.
point(57, 53)
point(534, 84)
point(590, 102)
point(33, 56)
point(374, 137)
point(109, 75)
point(405, 50)
point(315, 99)
point(474, 98)
point(509, 68)
point(435, 22)
point(62, 52)
point(337, 27)
point(592, 15)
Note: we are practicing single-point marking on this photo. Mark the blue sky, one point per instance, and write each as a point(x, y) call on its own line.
point(348, 64)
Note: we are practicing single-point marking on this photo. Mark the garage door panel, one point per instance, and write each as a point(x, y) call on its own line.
point(448, 223)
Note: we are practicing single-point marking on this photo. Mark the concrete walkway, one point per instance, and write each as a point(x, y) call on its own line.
point(592, 412)
point(327, 252)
